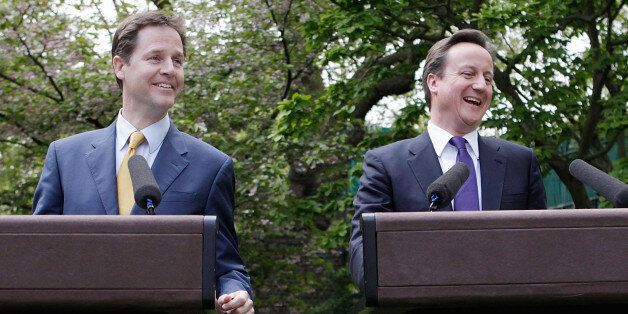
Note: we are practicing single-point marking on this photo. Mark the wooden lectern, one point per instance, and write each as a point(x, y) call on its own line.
point(492, 258)
point(78, 263)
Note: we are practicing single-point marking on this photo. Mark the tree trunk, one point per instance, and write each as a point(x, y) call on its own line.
point(575, 187)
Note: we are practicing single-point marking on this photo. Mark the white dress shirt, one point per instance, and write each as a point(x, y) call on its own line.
point(447, 153)
point(154, 135)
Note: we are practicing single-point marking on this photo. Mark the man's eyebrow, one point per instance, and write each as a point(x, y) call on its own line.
point(157, 50)
point(153, 51)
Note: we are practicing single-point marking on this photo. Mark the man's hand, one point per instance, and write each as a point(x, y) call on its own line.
point(237, 302)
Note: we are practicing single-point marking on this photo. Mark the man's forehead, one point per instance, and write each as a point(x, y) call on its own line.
point(157, 32)
point(469, 54)
point(159, 39)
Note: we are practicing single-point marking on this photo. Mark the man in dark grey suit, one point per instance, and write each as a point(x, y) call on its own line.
point(457, 80)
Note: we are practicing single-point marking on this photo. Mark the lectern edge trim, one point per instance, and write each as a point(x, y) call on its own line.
point(369, 257)
point(210, 229)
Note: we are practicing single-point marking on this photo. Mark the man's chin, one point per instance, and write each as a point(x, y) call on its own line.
point(163, 103)
point(472, 123)
point(473, 118)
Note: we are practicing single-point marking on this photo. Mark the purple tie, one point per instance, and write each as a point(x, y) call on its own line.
point(467, 197)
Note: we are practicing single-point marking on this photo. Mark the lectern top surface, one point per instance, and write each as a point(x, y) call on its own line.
point(101, 224)
point(515, 219)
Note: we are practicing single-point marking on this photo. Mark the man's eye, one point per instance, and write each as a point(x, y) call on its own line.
point(488, 80)
point(156, 58)
point(467, 74)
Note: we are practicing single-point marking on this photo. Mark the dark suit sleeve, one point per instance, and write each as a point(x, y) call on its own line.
point(48, 198)
point(230, 272)
point(374, 195)
point(536, 190)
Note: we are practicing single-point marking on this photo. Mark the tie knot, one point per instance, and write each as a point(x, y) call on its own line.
point(459, 142)
point(136, 139)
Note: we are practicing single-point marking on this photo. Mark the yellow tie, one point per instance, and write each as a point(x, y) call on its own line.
point(125, 187)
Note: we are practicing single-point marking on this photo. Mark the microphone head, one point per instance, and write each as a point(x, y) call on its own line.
point(577, 167)
point(621, 198)
point(442, 191)
point(144, 185)
point(611, 188)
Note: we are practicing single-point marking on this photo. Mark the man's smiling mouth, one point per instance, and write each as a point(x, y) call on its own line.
point(472, 100)
point(164, 85)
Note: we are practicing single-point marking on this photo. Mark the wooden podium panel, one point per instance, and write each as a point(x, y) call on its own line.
point(107, 262)
point(543, 257)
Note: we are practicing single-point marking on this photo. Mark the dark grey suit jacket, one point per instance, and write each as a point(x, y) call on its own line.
point(396, 177)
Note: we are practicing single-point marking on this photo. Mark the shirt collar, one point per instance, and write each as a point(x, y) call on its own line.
point(440, 139)
point(154, 133)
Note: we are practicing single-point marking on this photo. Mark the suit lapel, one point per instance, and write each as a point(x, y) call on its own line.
point(101, 161)
point(493, 169)
point(424, 163)
point(171, 159)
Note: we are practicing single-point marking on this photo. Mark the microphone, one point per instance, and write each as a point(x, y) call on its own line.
point(614, 190)
point(442, 191)
point(145, 188)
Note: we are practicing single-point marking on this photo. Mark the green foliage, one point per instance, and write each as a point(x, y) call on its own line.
point(620, 171)
point(284, 87)
point(297, 118)
point(18, 178)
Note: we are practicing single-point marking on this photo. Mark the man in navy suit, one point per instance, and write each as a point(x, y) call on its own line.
point(79, 175)
point(457, 80)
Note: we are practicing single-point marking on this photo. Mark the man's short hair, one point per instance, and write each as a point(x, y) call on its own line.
point(437, 55)
point(125, 38)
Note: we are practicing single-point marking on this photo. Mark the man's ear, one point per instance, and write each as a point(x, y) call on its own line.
point(118, 64)
point(432, 83)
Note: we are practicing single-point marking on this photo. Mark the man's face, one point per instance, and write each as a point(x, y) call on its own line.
point(461, 96)
point(153, 77)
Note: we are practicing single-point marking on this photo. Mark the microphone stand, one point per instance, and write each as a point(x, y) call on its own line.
point(434, 202)
point(150, 208)
point(433, 207)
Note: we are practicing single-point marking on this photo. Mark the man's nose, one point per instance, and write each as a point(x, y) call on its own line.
point(167, 67)
point(479, 83)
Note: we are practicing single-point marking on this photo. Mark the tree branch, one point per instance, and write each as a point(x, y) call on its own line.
point(40, 66)
point(600, 75)
point(102, 18)
point(398, 84)
point(22, 129)
point(607, 147)
point(163, 4)
point(284, 44)
point(32, 89)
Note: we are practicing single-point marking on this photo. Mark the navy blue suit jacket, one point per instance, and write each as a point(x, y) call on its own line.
point(79, 178)
point(396, 177)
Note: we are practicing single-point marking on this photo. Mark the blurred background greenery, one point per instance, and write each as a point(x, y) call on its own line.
point(296, 91)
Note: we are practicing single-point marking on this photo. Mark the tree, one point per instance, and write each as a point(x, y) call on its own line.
point(284, 87)
point(377, 46)
point(538, 78)
point(555, 96)
point(52, 85)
